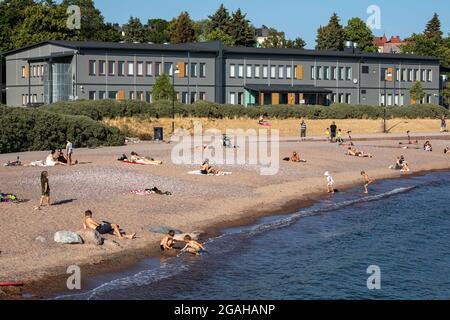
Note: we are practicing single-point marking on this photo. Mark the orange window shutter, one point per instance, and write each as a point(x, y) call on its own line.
point(390, 72)
point(275, 98)
point(121, 95)
point(413, 100)
point(181, 71)
point(25, 72)
point(299, 72)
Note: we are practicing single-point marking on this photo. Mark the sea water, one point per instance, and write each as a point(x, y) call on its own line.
point(402, 229)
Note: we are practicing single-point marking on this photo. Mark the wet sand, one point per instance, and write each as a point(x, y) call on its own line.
point(198, 203)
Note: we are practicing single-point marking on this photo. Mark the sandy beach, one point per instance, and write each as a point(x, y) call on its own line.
point(198, 203)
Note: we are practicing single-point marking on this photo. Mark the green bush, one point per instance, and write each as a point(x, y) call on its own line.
point(98, 110)
point(24, 129)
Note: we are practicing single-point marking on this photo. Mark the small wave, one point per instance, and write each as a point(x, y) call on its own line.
point(175, 266)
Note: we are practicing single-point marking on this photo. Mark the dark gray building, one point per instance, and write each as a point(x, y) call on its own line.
point(64, 70)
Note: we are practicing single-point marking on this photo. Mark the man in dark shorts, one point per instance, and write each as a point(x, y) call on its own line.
point(45, 190)
point(105, 227)
point(333, 130)
point(303, 130)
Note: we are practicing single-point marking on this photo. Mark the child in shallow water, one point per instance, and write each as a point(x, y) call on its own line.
point(193, 246)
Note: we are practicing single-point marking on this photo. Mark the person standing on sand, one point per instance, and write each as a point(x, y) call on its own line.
point(330, 182)
point(45, 190)
point(303, 130)
point(443, 124)
point(69, 151)
point(367, 181)
point(333, 129)
point(327, 134)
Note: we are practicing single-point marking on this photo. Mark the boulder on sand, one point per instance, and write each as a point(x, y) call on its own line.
point(67, 237)
point(91, 237)
point(195, 235)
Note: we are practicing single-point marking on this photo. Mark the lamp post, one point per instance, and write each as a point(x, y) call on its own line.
point(176, 71)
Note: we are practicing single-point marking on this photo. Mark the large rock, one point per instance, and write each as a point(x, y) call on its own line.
point(91, 237)
point(67, 237)
point(195, 235)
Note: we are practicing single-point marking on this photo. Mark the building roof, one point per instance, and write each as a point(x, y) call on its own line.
point(216, 47)
point(286, 88)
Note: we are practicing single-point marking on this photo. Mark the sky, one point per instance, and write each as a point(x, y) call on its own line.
point(297, 18)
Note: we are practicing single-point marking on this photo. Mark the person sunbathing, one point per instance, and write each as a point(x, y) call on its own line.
point(427, 146)
point(61, 157)
point(52, 160)
point(351, 151)
point(136, 158)
point(193, 246)
point(296, 158)
point(168, 241)
point(402, 164)
point(105, 227)
point(207, 169)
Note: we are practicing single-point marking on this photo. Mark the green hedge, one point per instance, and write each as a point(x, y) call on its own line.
point(24, 129)
point(99, 110)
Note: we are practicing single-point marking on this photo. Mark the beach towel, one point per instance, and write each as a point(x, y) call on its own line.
point(264, 124)
point(7, 197)
point(198, 172)
point(130, 162)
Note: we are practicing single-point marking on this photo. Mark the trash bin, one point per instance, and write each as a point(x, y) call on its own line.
point(158, 133)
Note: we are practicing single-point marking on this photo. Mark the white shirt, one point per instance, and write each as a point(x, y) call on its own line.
point(330, 180)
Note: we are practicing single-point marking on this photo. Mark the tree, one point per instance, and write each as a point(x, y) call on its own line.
point(42, 21)
point(202, 29)
point(157, 31)
point(446, 93)
point(134, 31)
point(241, 31)
point(163, 89)
point(110, 33)
point(276, 39)
point(182, 29)
point(220, 20)
point(219, 34)
point(331, 36)
point(417, 93)
point(358, 32)
point(433, 28)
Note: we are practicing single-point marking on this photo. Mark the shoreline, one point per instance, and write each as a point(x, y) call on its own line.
point(52, 284)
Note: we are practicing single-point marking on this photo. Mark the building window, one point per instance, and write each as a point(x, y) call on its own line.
point(24, 99)
point(149, 67)
point(249, 71)
point(38, 71)
point(111, 68)
point(404, 75)
point(193, 70)
point(121, 68)
point(333, 73)
point(341, 98)
point(232, 98)
point(202, 70)
point(280, 72)
point(42, 70)
point(365, 69)
point(429, 98)
point(410, 75)
point(92, 95)
point(429, 75)
point(102, 67)
point(288, 72)
point(417, 74)
point(273, 72)
point(341, 73)
point(33, 68)
point(349, 73)
point(240, 97)
point(348, 98)
point(132, 95)
point(319, 73)
point(140, 68)
point(112, 95)
point(240, 70)
point(326, 73)
point(402, 99)
point(202, 96)
point(131, 68)
point(184, 97)
point(264, 71)
point(257, 71)
point(313, 73)
point(148, 96)
point(193, 97)
point(102, 95)
point(92, 67)
point(389, 100)
point(140, 96)
point(232, 71)
point(157, 69)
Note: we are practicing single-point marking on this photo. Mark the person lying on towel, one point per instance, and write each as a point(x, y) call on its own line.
point(143, 160)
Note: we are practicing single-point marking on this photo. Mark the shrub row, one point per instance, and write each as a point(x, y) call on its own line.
point(98, 110)
point(24, 129)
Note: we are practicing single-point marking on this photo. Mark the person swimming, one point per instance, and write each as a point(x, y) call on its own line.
point(192, 246)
